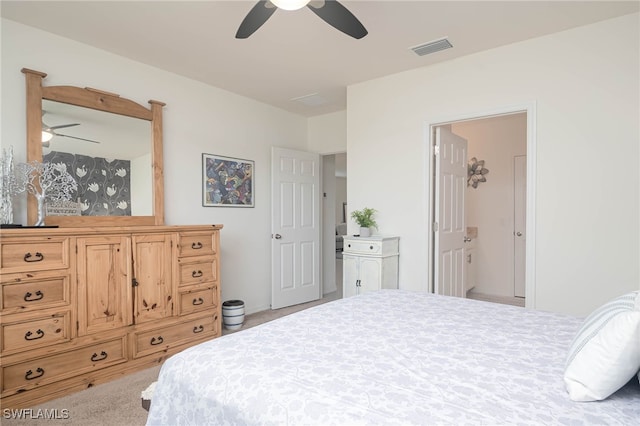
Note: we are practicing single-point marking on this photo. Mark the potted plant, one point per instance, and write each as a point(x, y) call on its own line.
point(365, 219)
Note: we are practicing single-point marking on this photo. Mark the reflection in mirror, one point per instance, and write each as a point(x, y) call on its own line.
point(85, 128)
point(108, 154)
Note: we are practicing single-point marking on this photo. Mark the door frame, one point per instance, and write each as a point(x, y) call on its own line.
point(530, 246)
point(517, 216)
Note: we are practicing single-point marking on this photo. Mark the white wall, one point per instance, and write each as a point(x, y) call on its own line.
point(341, 197)
point(197, 119)
point(584, 83)
point(490, 206)
point(585, 86)
point(327, 133)
point(328, 224)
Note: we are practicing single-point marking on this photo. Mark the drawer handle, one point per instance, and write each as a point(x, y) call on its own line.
point(371, 247)
point(196, 246)
point(28, 298)
point(28, 334)
point(96, 357)
point(30, 376)
point(36, 258)
point(198, 301)
point(198, 329)
point(157, 341)
point(196, 274)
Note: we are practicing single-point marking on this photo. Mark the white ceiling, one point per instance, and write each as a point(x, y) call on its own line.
point(295, 54)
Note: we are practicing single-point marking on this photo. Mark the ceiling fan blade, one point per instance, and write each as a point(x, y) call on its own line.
point(339, 17)
point(257, 16)
point(74, 137)
point(62, 126)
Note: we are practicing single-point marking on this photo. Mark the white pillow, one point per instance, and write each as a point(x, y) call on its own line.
point(605, 354)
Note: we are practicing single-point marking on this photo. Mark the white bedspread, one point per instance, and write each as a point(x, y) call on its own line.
point(390, 357)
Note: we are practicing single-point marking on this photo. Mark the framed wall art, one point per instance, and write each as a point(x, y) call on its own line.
point(227, 181)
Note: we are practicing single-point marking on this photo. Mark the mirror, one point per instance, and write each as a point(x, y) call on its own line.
point(111, 145)
point(109, 156)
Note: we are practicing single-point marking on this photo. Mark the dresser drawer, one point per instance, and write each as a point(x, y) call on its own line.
point(197, 272)
point(371, 246)
point(23, 295)
point(36, 333)
point(203, 299)
point(148, 342)
point(41, 371)
point(196, 244)
point(363, 247)
point(34, 254)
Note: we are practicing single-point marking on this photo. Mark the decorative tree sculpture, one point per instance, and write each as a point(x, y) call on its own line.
point(46, 181)
point(7, 182)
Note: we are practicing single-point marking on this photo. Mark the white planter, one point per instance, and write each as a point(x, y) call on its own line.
point(233, 314)
point(365, 232)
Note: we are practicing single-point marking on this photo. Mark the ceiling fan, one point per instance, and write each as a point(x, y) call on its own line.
point(48, 132)
point(332, 12)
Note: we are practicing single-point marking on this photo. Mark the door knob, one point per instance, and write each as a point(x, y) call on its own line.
point(519, 234)
point(466, 239)
point(277, 236)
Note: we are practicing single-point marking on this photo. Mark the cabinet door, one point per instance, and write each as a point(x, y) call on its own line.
point(370, 274)
point(104, 283)
point(349, 275)
point(152, 274)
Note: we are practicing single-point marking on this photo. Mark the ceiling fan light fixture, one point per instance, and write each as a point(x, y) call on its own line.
point(46, 136)
point(290, 4)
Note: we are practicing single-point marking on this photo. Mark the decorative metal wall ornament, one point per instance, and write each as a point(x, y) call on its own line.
point(46, 182)
point(476, 172)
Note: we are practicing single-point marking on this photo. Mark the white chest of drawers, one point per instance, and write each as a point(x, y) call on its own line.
point(369, 264)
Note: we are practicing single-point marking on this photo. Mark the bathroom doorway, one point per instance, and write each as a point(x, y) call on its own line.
point(491, 261)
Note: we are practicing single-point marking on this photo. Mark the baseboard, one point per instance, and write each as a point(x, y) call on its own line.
point(256, 309)
point(506, 300)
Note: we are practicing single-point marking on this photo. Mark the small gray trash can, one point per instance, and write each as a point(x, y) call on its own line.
point(233, 314)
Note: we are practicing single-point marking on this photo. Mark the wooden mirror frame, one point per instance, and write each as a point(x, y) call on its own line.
point(103, 101)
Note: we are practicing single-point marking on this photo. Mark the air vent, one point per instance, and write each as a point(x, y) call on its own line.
point(432, 47)
point(311, 100)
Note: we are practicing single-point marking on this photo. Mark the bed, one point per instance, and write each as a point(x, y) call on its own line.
point(388, 357)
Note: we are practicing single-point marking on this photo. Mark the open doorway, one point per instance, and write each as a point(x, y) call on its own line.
point(334, 221)
point(488, 262)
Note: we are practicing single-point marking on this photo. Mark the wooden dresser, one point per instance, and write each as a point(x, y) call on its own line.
point(82, 306)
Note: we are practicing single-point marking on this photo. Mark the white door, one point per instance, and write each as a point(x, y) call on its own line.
point(519, 224)
point(295, 227)
point(449, 227)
